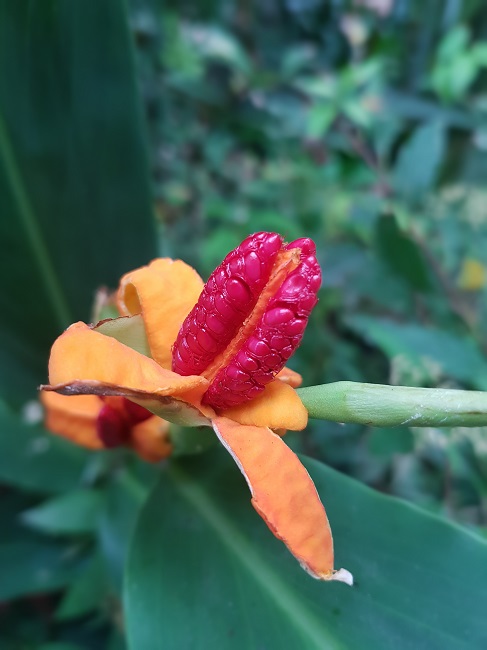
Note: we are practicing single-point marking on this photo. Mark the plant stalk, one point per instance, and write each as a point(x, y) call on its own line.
point(395, 406)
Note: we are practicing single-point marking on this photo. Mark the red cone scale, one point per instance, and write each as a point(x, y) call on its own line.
point(255, 306)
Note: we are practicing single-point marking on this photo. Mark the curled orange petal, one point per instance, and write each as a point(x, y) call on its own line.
point(150, 439)
point(283, 494)
point(164, 293)
point(81, 353)
point(290, 377)
point(277, 407)
point(73, 417)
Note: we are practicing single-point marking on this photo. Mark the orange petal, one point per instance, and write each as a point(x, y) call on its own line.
point(150, 439)
point(164, 292)
point(81, 353)
point(73, 417)
point(290, 377)
point(282, 493)
point(277, 407)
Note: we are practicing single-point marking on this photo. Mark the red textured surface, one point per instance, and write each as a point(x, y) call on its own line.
point(275, 338)
point(227, 299)
point(113, 425)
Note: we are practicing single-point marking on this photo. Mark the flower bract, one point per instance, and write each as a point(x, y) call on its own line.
point(205, 354)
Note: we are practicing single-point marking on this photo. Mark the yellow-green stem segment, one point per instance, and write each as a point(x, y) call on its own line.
point(395, 406)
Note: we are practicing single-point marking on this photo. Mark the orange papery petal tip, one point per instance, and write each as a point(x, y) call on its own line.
point(342, 575)
point(163, 292)
point(283, 494)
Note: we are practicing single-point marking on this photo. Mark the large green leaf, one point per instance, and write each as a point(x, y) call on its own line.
point(30, 563)
point(123, 500)
point(85, 593)
point(73, 513)
point(36, 566)
point(427, 353)
point(205, 572)
point(74, 194)
point(33, 459)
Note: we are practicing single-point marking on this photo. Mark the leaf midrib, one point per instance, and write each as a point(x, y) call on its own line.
point(33, 231)
point(308, 625)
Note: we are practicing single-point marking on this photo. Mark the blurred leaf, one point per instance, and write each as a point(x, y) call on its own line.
point(453, 43)
point(59, 645)
point(177, 52)
point(320, 118)
point(198, 543)
point(117, 641)
point(434, 353)
point(85, 593)
point(451, 81)
point(357, 113)
point(386, 442)
point(72, 513)
point(404, 105)
point(33, 459)
point(457, 64)
point(36, 566)
point(75, 200)
point(401, 253)
point(295, 59)
point(358, 273)
point(479, 52)
point(413, 480)
point(123, 500)
point(217, 44)
point(419, 160)
point(217, 246)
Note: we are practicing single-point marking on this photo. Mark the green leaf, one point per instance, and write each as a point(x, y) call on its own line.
point(59, 646)
point(388, 442)
point(72, 513)
point(74, 193)
point(424, 354)
point(419, 160)
point(454, 43)
point(319, 119)
point(204, 571)
point(85, 593)
point(123, 500)
point(36, 566)
point(34, 459)
point(217, 44)
point(401, 253)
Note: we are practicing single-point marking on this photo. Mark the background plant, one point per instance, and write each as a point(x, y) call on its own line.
point(360, 124)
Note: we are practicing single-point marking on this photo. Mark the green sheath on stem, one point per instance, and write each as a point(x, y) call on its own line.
point(388, 406)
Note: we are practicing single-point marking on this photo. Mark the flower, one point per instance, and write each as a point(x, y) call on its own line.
point(97, 423)
point(211, 354)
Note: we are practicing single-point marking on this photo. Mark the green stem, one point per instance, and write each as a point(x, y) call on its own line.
point(390, 406)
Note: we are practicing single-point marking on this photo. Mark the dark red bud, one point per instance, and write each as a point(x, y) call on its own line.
point(112, 427)
point(116, 419)
point(135, 413)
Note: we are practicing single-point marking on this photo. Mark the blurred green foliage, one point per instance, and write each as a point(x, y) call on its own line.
point(361, 124)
